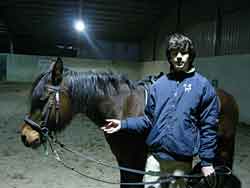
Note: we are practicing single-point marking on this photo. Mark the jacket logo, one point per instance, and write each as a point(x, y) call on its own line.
point(187, 87)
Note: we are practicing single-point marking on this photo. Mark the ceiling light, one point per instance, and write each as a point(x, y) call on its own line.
point(79, 26)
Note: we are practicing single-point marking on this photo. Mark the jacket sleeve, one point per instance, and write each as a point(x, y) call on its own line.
point(208, 125)
point(143, 123)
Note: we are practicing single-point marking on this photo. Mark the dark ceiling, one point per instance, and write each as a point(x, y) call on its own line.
point(36, 25)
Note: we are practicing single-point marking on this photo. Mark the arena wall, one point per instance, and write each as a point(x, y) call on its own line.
point(230, 73)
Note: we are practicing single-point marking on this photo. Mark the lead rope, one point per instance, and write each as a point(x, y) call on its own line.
point(106, 164)
point(60, 160)
point(163, 178)
point(227, 171)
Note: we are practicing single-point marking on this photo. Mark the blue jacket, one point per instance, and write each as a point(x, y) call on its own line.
point(180, 118)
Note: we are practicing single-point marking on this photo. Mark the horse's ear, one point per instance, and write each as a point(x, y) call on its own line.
point(57, 72)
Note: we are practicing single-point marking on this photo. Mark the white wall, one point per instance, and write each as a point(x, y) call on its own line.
point(25, 68)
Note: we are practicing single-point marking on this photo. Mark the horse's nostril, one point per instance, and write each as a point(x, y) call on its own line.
point(24, 140)
point(36, 143)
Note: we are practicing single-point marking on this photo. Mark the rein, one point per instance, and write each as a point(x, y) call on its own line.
point(57, 157)
point(163, 177)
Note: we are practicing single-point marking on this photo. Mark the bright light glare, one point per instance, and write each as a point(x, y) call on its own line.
point(79, 25)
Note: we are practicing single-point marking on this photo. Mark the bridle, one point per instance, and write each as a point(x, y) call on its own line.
point(53, 101)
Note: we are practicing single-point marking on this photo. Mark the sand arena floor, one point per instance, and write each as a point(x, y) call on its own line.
point(22, 167)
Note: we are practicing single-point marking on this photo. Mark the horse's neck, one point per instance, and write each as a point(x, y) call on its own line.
point(103, 107)
point(128, 103)
point(89, 97)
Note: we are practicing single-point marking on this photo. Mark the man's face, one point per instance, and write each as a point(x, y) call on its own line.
point(179, 60)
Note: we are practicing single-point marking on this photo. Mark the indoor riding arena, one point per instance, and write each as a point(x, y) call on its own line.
point(66, 66)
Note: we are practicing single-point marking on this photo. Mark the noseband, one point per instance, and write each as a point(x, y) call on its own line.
point(53, 100)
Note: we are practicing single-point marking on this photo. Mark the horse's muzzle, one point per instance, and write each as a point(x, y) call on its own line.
point(34, 144)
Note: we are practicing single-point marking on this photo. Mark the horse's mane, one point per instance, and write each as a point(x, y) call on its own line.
point(82, 85)
point(96, 83)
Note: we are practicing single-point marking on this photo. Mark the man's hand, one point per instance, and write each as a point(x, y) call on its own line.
point(207, 170)
point(210, 177)
point(112, 126)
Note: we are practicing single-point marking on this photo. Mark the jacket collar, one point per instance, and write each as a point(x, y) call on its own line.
point(181, 75)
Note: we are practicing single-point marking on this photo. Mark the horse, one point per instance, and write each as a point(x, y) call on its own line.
point(60, 93)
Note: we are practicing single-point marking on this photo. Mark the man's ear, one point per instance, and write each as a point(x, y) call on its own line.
point(57, 72)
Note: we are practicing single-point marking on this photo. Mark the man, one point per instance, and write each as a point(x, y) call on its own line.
point(181, 115)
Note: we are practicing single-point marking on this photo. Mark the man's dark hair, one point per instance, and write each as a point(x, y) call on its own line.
point(180, 42)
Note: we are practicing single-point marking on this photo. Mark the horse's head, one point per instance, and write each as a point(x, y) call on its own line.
point(50, 108)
